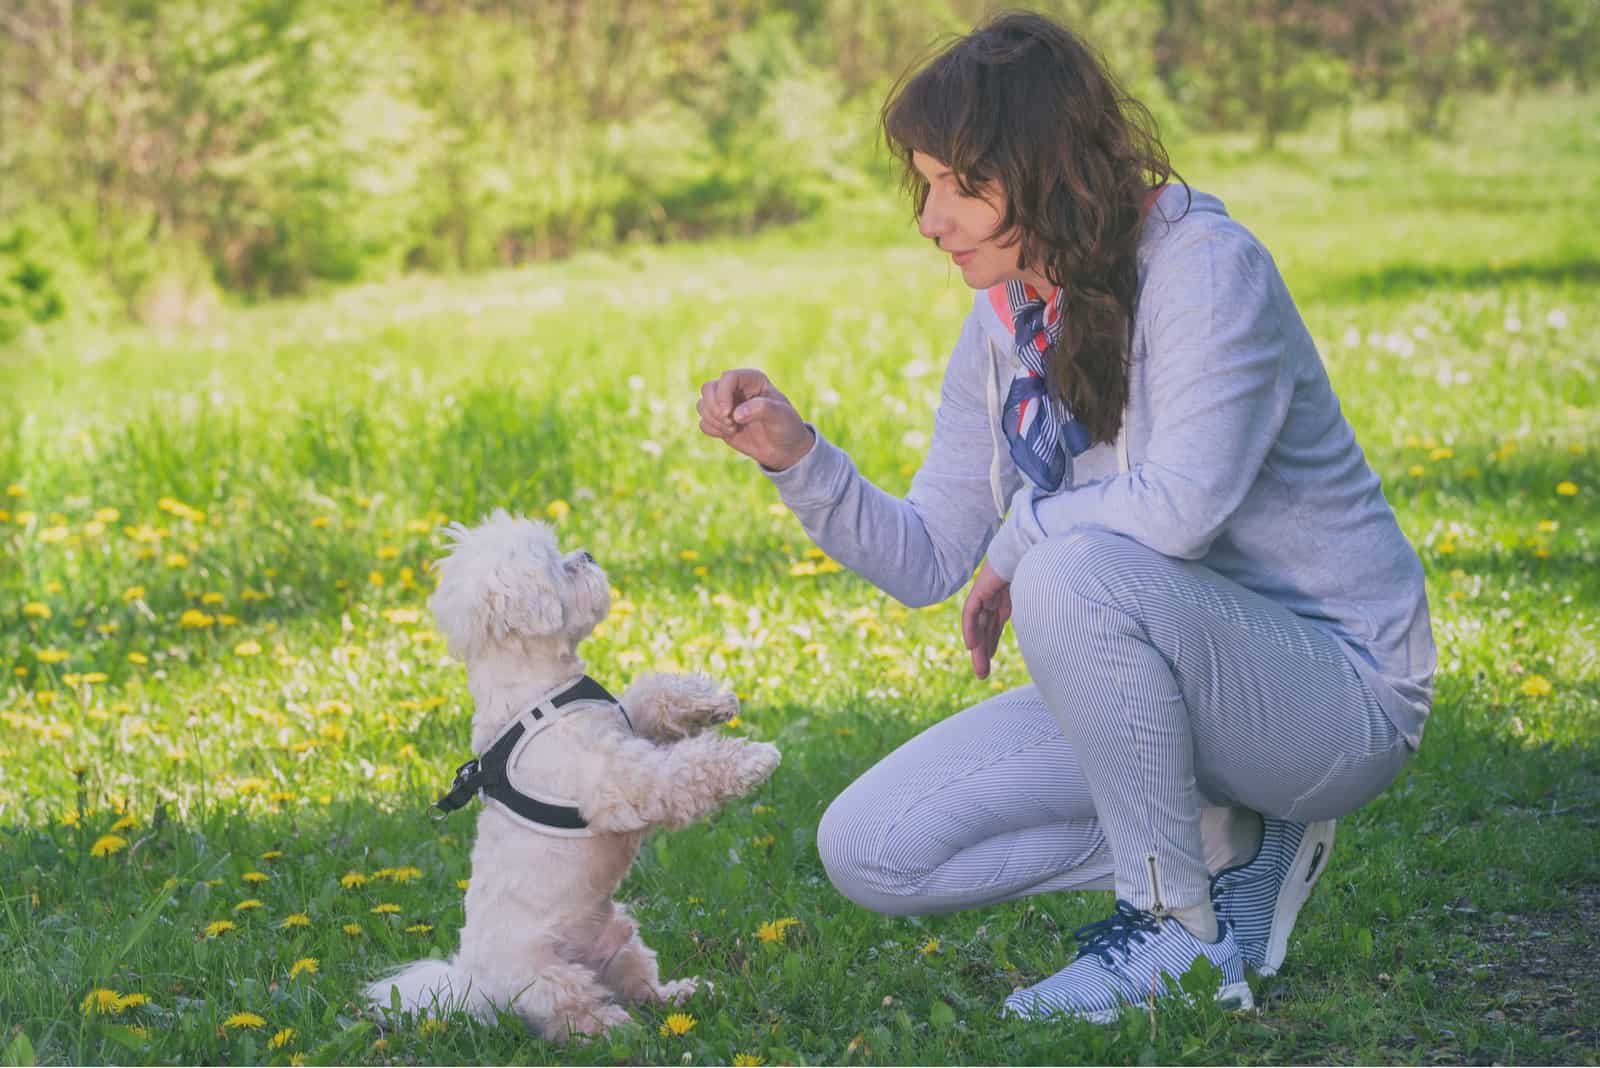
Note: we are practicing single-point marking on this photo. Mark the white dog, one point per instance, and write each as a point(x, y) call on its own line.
point(572, 782)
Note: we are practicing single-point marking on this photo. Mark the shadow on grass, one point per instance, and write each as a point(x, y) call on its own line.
point(1405, 279)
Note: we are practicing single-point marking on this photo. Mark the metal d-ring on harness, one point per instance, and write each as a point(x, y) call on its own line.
point(486, 774)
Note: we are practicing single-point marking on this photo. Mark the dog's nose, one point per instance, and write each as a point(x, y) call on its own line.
point(585, 556)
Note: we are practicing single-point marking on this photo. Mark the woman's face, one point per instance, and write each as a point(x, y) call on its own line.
point(963, 226)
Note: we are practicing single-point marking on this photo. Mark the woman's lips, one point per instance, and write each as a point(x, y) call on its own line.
point(962, 258)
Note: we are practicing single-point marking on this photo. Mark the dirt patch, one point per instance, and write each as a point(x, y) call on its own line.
point(1546, 974)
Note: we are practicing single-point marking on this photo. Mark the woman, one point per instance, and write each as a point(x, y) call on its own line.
point(1225, 629)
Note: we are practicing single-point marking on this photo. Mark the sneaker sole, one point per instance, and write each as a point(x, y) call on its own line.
point(1310, 860)
point(1233, 996)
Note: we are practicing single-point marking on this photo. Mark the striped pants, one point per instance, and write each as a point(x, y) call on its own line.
point(1159, 689)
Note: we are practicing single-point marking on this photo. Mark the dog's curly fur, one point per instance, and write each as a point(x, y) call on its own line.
point(543, 936)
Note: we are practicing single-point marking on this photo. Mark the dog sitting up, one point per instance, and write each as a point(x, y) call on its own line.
point(572, 782)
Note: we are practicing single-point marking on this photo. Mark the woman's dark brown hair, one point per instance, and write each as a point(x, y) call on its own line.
point(1023, 102)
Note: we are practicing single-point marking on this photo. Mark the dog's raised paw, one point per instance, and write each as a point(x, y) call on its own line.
point(757, 761)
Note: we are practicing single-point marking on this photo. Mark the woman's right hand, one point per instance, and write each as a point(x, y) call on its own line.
point(746, 410)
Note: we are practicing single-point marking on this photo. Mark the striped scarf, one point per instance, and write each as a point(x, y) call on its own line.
point(1042, 434)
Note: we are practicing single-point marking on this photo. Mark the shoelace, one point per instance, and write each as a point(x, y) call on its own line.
point(1119, 933)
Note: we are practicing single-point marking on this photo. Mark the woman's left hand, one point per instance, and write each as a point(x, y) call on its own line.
point(984, 616)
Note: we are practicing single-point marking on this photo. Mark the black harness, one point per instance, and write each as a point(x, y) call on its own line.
point(486, 774)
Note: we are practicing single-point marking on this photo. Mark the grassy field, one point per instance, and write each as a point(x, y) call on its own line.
point(224, 710)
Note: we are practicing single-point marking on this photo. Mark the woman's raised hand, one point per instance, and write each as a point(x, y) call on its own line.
point(746, 410)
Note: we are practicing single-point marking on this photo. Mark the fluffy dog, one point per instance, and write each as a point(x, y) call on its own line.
point(543, 936)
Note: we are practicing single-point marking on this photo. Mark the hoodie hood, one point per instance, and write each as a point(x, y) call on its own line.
point(1172, 204)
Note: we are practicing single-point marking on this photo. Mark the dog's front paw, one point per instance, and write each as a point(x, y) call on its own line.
point(757, 761)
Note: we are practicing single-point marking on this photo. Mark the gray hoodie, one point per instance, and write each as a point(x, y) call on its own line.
point(1233, 452)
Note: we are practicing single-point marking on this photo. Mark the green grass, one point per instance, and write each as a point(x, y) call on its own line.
point(304, 450)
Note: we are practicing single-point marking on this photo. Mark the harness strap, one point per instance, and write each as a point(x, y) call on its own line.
point(486, 774)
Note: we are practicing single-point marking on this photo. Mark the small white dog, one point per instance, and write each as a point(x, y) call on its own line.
point(572, 781)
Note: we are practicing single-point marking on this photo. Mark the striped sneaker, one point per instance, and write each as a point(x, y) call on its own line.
point(1260, 898)
point(1123, 961)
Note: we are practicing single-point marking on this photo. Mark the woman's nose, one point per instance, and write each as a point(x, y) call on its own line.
point(932, 222)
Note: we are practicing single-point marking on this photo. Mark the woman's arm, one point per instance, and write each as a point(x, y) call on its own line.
point(1219, 393)
point(924, 548)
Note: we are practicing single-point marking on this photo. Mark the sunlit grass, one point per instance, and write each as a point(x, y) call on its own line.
point(224, 707)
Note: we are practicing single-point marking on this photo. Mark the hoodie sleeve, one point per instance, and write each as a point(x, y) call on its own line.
point(1219, 394)
point(924, 548)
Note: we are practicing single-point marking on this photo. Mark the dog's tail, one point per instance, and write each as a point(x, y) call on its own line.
point(430, 987)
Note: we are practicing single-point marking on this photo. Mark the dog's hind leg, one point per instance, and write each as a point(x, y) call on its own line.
point(566, 1000)
point(633, 972)
point(668, 707)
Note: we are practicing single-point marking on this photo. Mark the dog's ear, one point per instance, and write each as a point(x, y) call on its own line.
point(500, 581)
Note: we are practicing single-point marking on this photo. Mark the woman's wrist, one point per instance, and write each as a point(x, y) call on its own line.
point(789, 459)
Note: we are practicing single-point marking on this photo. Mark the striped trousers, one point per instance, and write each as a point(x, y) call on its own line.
point(1160, 690)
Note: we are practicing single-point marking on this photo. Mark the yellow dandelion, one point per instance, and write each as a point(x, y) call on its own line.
point(679, 1023)
point(37, 610)
point(689, 554)
point(100, 1001)
point(131, 1001)
point(218, 927)
point(51, 656)
point(1416, 470)
point(108, 844)
point(141, 1033)
point(352, 879)
point(272, 854)
point(254, 877)
point(776, 930)
point(748, 1060)
point(320, 521)
point(930, 946)
point(419, 928)
point(295, 919)
point(244, 1020)
point(72, 818)
point(402, 615)
point(1567, 489)
point(462, 884)
point(557, 509)
point(375, 577)
point(195, 619)
point(432, 1025)
point(176, 560)
point(387, 552)
point(247, 904)
point(1548, 526)
point(15, 490)
point(281, 1038)
point(1536, 686)
point(138, 659)
point(298, 1059)
point(247, 649)
point(211, 597)
point(405, 875)
point(353, 930)
point(386, 908)
point(123, 824)
point(1443, 452)
point(304, 966)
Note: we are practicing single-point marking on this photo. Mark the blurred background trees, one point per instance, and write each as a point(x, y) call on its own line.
point(156, 154)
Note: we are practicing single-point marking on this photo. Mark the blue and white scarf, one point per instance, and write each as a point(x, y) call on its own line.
point(1042, 434)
